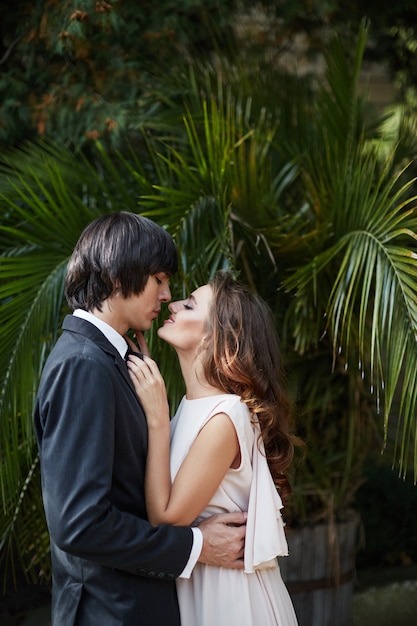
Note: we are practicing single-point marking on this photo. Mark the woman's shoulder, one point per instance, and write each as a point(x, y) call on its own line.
point(233, 406)
point(229, 400)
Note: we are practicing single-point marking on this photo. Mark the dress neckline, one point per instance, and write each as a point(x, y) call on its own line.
point(215, 395)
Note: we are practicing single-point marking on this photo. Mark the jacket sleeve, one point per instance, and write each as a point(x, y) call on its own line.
point(79, 417)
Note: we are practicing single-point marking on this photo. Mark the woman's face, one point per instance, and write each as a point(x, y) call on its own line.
point(185, 327)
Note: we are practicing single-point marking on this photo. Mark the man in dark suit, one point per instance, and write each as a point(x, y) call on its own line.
point(110, 566)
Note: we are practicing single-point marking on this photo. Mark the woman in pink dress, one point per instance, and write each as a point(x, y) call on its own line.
point(227, 448)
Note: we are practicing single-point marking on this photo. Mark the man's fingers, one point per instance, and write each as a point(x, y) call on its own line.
point(232, 519)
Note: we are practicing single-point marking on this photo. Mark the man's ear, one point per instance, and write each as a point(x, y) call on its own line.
point(117, 289)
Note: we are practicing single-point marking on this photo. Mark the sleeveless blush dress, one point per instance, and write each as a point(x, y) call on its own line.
point(255, 596)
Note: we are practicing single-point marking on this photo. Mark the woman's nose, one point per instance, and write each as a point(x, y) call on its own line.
point(173, 306)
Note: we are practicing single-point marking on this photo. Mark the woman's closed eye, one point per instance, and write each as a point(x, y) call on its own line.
point(188, 307)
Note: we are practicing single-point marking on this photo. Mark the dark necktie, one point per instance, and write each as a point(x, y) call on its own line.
point(130, 351)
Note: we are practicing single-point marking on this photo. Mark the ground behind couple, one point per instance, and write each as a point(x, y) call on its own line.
point(382, 597)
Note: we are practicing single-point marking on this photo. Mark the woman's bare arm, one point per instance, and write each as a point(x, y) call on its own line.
point(205, 466)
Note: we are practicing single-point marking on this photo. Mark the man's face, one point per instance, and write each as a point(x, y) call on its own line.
point(138, 311)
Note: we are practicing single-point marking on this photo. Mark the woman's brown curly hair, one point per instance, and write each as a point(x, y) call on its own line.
point(243, 358)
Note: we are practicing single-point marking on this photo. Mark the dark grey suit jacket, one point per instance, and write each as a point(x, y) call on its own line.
point(110, 566)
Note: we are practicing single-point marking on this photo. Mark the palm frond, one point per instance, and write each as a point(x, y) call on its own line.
point(369, 260)
point(218, 193)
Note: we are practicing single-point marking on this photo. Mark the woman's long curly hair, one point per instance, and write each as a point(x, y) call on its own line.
point(242, 356)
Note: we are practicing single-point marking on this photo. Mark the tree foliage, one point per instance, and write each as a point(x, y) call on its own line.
point(83, 70)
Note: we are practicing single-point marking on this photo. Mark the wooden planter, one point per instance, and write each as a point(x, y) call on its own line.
point(319, 572)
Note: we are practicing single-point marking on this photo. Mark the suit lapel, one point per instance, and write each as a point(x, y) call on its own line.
point(82, 327)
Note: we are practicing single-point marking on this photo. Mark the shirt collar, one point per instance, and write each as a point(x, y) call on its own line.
point(108, 331)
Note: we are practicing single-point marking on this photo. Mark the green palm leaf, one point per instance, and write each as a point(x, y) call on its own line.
point(356, 275)
point(218, 194)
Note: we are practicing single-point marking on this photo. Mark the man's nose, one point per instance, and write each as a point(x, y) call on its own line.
point(165, 294)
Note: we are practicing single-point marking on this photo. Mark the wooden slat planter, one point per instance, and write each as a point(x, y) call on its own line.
point(319, 572)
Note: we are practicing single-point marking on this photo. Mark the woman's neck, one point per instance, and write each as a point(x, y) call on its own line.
point(196, 385)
